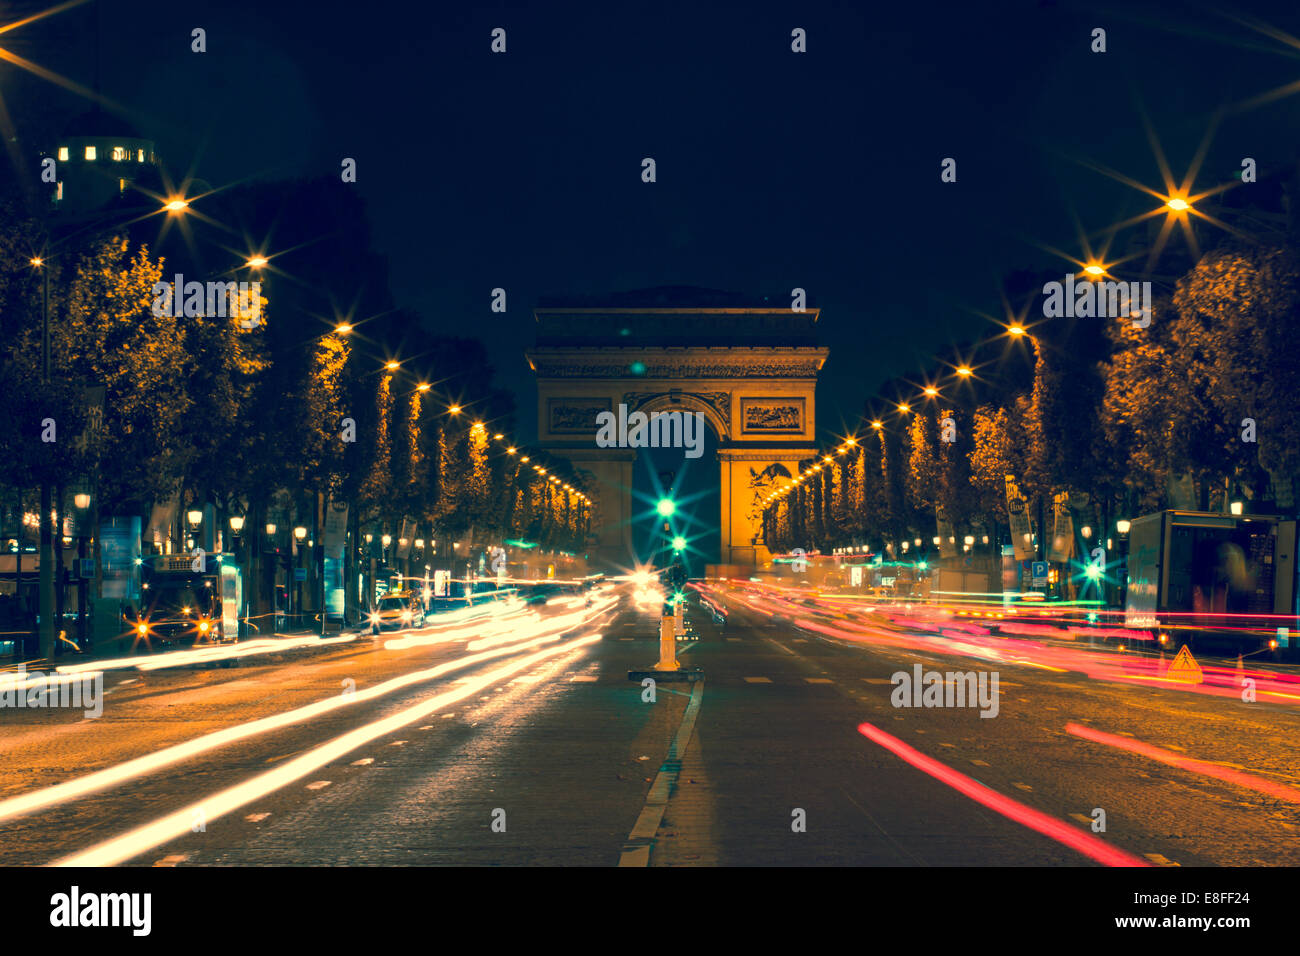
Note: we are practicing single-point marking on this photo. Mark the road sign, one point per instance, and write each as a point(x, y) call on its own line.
point(1038, 569)
point(1184, 668)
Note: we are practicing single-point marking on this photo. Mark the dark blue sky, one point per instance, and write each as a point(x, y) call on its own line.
point(775, 170)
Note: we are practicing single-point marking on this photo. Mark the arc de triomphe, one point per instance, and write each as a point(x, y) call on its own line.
point(749, 367)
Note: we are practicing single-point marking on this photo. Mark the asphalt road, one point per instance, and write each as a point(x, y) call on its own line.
point(546, 753)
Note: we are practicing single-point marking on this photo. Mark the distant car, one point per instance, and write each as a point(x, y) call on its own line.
point(397, 610)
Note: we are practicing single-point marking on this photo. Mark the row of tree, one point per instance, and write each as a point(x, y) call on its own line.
point(262, 419)
point(1195, 410)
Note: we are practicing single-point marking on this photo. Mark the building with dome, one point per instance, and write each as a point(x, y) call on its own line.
point(98, 159)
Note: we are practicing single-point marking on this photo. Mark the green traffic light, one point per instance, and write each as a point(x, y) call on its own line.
point(666, 507)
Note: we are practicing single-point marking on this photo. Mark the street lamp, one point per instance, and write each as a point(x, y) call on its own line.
point(666, 507)
point(1237, 507)
point(81, 500)
point(1086, 531)
point(270, 528)
point(1122, 525)
point(300, 532)
point(236, 523)
point(256, 262)
point(195, 517)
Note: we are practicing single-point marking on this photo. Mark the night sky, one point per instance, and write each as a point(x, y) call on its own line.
point(775, 170)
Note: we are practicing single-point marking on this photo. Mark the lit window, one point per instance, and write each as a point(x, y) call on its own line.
point(63, 154)
point(90, 152)
point(119, 153)
point(58, 192)
point(139, 155)
point(121, 185)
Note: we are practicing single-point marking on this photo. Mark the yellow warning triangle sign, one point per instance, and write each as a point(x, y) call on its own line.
point(1184, 668)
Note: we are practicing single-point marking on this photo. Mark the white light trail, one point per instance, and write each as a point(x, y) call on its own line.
point(179, 823)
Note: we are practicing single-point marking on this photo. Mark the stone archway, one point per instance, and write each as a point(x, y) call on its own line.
point(748, 367)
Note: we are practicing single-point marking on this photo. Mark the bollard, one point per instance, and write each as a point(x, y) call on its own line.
point(667, 645)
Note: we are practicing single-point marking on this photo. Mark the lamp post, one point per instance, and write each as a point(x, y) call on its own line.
point(1122, 527)
point(299, 535)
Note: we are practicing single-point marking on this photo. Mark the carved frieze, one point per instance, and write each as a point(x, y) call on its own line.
point(574, 416)
point(772, 416)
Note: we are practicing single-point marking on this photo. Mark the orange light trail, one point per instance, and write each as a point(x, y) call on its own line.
point(1226, 774)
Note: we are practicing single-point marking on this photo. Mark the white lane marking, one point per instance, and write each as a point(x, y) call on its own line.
point(758, 680)
point(584, 678)
point(173, 859)
point(363, 762)
point(819, 680)
point(318, 785)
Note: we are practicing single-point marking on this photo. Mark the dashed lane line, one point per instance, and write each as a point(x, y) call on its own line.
point(636, 851)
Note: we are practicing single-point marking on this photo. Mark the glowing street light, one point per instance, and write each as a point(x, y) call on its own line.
point(679, 543)
point(391, 366)
point(176, 205)
point(453, 410)
point(904, 407)
point(1094, 270)
point(964, 370)
point(1016, 330)
point(666, 507)
point(931, 391)
point(1122, 525)
point(423, 387)
point(1177, 204)
point(343, 328)
point(256, 262)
